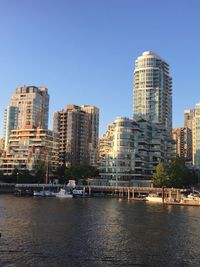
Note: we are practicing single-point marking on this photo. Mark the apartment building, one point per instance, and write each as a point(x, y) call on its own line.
point(78, 134)
point(152, 90)
point(29, 106)
point(28, 148)
point(183, 139)
point(130, 151)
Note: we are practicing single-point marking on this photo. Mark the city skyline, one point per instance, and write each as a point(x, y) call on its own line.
point(85, 53)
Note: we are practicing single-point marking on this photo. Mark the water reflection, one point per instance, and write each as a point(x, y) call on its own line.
point(96, 232)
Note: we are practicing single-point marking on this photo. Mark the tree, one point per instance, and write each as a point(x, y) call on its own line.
point(160, 177)
point(179, 174)
point(60, 173)
point(40, 171)
point(81, 172)
point(24, 177)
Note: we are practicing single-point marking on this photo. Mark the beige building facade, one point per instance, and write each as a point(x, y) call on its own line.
point(29, 106)
point(28, 148)
point(130, 151)
point(196, 137)
point(78, 129)
point(183, 139)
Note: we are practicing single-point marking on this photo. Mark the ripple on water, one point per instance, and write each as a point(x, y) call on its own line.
point(96, 232)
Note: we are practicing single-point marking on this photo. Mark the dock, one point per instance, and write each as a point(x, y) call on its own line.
point(115, 191)
point(170, 196)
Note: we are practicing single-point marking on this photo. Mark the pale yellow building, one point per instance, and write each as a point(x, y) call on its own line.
point(28, 148)
point(28, 106)
point(196, 137)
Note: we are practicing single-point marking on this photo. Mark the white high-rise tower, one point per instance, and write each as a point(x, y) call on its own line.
point(152, 90)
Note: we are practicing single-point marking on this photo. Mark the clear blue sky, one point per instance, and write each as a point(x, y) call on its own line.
point(84, 51)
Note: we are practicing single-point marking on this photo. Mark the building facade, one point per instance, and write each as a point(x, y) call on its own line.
point(78, 135)
point(1, 145)
point(29, 106)
point(28, 148)
point(183, 140)
point(152, 90)
point(196, 137)
point(130, 151)
point(93, 133)
point(188, 118)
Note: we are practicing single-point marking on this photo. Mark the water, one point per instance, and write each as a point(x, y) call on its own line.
point(96, 232)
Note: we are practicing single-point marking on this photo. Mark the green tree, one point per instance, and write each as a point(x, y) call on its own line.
point(180, 175)
point(81, 172)
point(60, 173)
point(160, 177)
point(40, 172)
point(24, 177)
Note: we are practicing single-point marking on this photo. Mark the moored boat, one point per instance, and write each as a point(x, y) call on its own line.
point(78, 193)
point(154, 198)
point(191, 199)
point(63, 193)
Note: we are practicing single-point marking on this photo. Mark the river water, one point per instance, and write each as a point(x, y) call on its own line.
point(96, 232)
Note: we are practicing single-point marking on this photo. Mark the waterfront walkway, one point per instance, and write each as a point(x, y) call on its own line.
point(119, 191)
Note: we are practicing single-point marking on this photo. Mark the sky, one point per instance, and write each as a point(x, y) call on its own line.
point(84, 51)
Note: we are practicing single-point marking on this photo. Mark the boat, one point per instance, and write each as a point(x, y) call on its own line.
point(43, 193)
point(191, 199)
point(78, 193)
point(154, 198)
point(63, 193)
point(193, 196)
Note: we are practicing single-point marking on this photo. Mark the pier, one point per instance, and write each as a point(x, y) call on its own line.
point(7, 188)
point(28, 189)
point(133, 192)
point(167, 196)
point(130, 193)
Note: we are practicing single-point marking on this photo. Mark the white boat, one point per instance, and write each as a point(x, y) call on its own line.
point(154, 198)
point(63, 193)
point(44, 193)
point(193, 196)
point(77, 193)
point(191, 199)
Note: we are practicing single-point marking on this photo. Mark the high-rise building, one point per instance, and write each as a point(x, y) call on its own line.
point(152, 90)
point(29, 106)
point(196, 137)
point(188, 118)
point(93, 133)
point(78, 134)
point(188, 126)
point(183, 140)
point(1, 145)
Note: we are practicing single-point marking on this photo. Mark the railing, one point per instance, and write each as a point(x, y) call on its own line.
point(128, 188)
point(39, 185)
